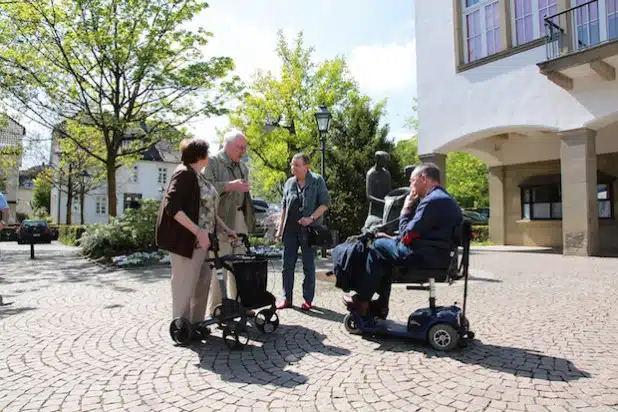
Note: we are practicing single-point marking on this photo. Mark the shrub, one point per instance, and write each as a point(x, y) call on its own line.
point(69, 234)
point(480, 233)
point(133, 231)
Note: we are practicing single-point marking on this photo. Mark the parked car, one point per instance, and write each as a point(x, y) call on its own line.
point(475, 217)
point(262, 210)
point(34, 231)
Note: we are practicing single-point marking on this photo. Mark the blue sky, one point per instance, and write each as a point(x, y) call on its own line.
point(376, 37)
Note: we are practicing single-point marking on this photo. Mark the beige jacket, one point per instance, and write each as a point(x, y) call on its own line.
point(220, 171)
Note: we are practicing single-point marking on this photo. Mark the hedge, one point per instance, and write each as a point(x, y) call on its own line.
point(480, 233)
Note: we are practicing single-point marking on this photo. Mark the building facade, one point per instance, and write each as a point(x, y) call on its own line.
point(146, 179)
point(11, 137)
point(529, 87)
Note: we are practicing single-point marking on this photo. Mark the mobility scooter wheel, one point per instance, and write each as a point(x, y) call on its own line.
point(235, 339)
point(267, 321)
point(349, 321)
point(443, 337)
point(181, 331)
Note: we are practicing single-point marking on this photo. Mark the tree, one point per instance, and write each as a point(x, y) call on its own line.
point(76, 174)
point(117, 68)
point(41, 196)
point(467, 180)
point(277, 112)
point(356, 134)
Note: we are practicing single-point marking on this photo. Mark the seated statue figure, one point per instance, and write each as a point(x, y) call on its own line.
point(378, 185)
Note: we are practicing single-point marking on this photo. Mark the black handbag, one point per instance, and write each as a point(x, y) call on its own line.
point(319, 235)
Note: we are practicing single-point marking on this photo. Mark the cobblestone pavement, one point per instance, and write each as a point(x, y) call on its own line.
point(77, 336)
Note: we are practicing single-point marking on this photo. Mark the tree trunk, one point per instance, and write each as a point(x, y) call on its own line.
point(69, 196)
point(111, 186)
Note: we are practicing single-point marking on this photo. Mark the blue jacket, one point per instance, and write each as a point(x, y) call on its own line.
point(349, 260)
point(429, 232)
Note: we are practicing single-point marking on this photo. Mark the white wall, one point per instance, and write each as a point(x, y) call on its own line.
point(147, 185)
point(507, 95)
point(24, 197)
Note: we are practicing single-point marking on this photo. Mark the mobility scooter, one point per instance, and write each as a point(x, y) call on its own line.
point(444, 327)
point(251, 274)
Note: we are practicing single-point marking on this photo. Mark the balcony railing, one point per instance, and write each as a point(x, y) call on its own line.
point(583, 26)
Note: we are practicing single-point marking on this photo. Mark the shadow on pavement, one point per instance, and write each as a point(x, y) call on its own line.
point(7, 310)
point(506, 359)
point(266, 359)
point(322, 313)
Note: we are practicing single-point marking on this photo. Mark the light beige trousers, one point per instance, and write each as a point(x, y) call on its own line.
point(190, 285)
point(225, 248)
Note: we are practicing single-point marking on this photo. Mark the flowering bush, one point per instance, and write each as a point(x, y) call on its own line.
point(133, 231)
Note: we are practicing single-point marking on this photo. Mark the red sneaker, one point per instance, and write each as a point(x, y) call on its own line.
point(284, 304)
point(306, 306)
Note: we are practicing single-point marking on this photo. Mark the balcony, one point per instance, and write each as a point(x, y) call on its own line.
point(582, 41)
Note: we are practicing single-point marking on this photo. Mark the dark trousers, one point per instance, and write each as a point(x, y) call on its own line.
point(384, 254)
point(291, 242)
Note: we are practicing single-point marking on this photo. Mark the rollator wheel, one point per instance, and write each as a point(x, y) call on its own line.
point(181, 331)
point(350, 324)
point(235, 339)
point(267, 321)
point(443, 337)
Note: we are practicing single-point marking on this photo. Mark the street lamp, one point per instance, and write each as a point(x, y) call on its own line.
point(322, 117)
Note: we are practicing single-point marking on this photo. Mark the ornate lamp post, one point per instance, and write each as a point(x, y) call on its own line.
point(322, 118)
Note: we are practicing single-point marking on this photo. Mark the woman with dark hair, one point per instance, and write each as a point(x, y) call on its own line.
point(187, 215)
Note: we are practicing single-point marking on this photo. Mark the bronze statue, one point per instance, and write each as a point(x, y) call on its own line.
point(378, 185)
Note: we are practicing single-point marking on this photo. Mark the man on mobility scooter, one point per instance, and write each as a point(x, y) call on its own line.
point(425, 241)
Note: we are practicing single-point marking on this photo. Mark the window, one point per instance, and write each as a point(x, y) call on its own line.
point(612, 19)
point(134, 177)
point(132, 201)
point(162, 176)
point(100, 205)
point(481, 25)
point(605, 201)
point(529, 19)
point(543, 201)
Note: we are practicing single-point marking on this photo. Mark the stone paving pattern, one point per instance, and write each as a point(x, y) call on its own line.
point(79, 337)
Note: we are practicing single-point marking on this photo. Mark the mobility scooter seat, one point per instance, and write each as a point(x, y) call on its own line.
point(407, 274)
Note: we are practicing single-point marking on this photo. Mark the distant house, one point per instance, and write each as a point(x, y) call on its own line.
point(11, 136)
point(146, 179)
point(26, 189)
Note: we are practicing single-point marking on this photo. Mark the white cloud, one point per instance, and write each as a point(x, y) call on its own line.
point(384, 68)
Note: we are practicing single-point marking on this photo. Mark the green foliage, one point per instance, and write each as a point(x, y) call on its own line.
point(70, 234)
point(41, 196)
point(117, 68)
point(407, 151)
point(133, 231)
point(467, 180)
point(480, 233)
point(355, 136)
point(277, 112)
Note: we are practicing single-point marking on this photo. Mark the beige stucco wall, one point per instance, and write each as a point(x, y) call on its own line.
point(521, 232)
point(549, 233)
